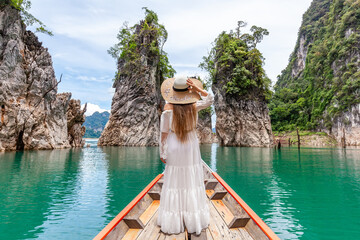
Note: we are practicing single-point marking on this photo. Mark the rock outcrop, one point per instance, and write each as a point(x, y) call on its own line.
point(241, 88)
point(346, 127)
point(319, 89)
point(75, 119)
point(135, 109)
point(297, 63)
point(33, 115)
point(241, 122)
point(204, 128)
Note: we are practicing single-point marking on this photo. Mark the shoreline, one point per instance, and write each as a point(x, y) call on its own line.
point(307, 139)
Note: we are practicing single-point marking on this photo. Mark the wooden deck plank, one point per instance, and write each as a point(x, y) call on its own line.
point(102, 235)
point(226, 210)
point(201, 236)
point(131, 234)
point(223, 231)
point(149, 212)
point(213, 228)
point(253, 229)
point(209, 192)
point(208, 235)
point(161, 236)
point(223, 210)
point(151, 231)
point(118, 231)
point(244, 234)
point(180, 236)
point(254, 217)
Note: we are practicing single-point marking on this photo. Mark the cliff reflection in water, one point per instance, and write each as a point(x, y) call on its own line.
point(32, 185)
point(130, 170)
point(74, 193)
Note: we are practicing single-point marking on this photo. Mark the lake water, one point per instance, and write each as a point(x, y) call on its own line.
point(68, 194)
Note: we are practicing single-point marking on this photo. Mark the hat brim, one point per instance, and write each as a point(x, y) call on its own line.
point(185, 97)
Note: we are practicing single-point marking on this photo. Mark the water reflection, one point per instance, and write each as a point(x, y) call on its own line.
point(308, 194)
point(130, 170)
point(213, 157)
point(32, 183)
point(85, 205)
point(250, 172)
point(318, 182)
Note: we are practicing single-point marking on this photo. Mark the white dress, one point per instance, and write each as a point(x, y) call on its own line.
point(183, 201)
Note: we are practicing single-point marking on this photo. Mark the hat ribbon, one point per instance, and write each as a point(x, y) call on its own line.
point(180, 90)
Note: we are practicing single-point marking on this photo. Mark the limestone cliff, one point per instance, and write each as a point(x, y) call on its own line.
point(136, 104)
point(241, 122)
point(75, 119)
point(134, 118)
point(204, 127)
point(241, 88)
point(33, 115)
point(319, 89)
point(346, 127)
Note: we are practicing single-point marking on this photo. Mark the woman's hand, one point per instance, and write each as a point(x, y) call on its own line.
point(163, 160)
point(192, 85)
point(196, 88)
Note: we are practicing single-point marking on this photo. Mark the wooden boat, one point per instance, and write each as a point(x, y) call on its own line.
point(230, 216)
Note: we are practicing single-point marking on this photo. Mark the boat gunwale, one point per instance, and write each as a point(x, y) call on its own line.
point(110, 226)
point(261, 224)
point(258, 221)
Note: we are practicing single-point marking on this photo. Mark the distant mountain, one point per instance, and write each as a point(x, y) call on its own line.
point(95, 124)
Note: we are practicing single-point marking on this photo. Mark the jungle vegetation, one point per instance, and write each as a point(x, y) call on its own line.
point(23, 6)
point(236, 63)
point(330, 82)
point(148, 34)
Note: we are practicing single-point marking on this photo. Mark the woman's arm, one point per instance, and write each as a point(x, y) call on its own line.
point(207, 98)
point(164, 131)
point(196, 88)
point(163, 146)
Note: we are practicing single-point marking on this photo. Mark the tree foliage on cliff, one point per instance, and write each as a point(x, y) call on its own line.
point(23, 6)
point(235, 60)
point(153, 34)
point(330, 82)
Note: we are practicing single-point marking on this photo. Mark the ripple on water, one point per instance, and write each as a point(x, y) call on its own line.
point(73, 193)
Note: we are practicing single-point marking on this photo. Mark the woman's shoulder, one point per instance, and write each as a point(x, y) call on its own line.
point(168, 106)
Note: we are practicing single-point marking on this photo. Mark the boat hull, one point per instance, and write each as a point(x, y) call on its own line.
point(230, 216)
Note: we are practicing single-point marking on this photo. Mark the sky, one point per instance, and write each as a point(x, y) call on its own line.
point(85, 29)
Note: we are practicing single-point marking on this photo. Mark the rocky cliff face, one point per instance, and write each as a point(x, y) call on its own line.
point(317, 10)
point(346, 127)
point(204, 128)
point(319, 89)
point(241, 122)
point(241, 88)
point(135, 108)
point(75, 119)
point(33, 115)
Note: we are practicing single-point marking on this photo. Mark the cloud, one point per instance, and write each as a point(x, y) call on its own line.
point(91, 108)
point(85, 29)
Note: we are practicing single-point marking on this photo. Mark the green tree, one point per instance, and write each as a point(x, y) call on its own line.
point(128, 47)
point(329, 84)
point(234, 57)
point(23, 6)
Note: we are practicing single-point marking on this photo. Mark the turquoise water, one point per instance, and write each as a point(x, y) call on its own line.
point(68, 194)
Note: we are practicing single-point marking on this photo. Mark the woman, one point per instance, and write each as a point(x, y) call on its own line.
point(183, 201)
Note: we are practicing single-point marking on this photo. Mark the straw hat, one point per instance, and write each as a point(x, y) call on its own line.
point(176, 90)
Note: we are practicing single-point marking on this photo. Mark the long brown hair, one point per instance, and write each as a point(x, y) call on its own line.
point(184, 120)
